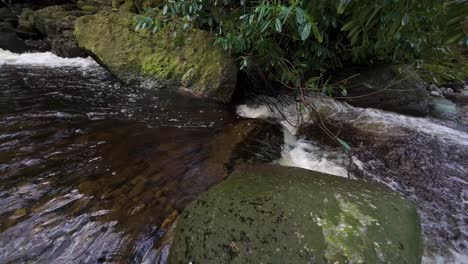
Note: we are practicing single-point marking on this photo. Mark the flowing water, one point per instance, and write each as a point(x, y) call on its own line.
point(92, 171)
point(423, 159)
point(96, 172)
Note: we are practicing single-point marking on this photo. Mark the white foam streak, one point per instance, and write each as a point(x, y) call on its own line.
point(456, 258)
point(44, 59)
point(305, 154)
point(374, 122)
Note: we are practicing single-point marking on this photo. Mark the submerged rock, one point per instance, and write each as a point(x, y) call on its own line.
point(392, 88)
point(273, 214)
point(188, 60)
point(443, 109)
point(247, 141)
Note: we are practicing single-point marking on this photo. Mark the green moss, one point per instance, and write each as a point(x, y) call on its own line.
point(128, 6)
point(162, 66)
point(89, 8)
point(160, 57)
point(277, 214)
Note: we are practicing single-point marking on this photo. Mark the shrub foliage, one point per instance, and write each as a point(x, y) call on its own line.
point(293, 41)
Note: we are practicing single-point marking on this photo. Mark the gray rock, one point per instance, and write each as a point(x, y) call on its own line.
point(10, 41)
point(393, 88)
point(57, 24)
point(436, 94)
point(26, 20)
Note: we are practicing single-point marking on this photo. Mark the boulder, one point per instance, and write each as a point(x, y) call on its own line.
point(26, 20)
point(274, 214)
point(10, 41)
point(392, 88)
point(8, 20)
point(188, 61)
point(57, 24)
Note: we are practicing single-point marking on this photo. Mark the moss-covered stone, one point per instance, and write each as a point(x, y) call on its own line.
point(273, 214)
point(57, 24)
point(161, 59)
point(26, 20)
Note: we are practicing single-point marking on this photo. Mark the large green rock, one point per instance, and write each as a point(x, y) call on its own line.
point(273, 214)
point(188, 61)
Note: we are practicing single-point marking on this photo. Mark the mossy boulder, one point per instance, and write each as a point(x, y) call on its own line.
point(188, 61)
point(94, 6)
point(57, 24)
point(273, 214)
point(26, 20)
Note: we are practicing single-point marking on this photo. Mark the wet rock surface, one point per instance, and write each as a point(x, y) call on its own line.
point(393, 88)
point(264, 214)
point(57, 24)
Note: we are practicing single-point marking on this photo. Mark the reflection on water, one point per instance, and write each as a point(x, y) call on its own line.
point(95, 172)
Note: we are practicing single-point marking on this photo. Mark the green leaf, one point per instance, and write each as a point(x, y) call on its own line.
point(306, 31)
point(278, 25)
point(405, 20)
point(284, 14)
point(316, 32)
point(138, 25)
point(344, 91)
point(341, 7)
point(344, 144)
point(265, 27)
point(299, 15)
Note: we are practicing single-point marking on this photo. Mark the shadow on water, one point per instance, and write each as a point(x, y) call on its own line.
point(95, 172)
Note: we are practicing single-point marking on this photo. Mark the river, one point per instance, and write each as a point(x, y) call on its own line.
point(93, 171)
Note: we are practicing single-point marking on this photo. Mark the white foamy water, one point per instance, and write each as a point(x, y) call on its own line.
point(44, 59)
point(298, 152)
point(308, 155)
point(370, 121)
point(380, 127)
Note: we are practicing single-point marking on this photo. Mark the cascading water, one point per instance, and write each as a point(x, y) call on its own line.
point(423, 159)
